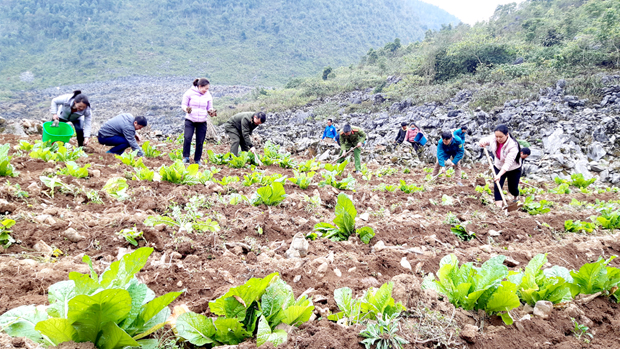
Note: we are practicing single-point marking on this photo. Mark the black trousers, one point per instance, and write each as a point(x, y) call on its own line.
point(513, 183)
point(201, 132)
point(415, 145)
point(79, 131)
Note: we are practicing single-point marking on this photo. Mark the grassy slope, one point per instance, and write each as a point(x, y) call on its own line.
point(231, 41)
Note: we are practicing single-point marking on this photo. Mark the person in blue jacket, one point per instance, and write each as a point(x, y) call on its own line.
point(450, 146)
point(330, 131)
point(461, 133)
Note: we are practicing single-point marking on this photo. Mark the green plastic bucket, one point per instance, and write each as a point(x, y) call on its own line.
point(62, 133)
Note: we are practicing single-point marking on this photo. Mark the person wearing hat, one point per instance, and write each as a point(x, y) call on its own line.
point(402, 132)
point(239, 129)
point(450, 146)
point(415, 137)
point(352, 137)
point(120, 132)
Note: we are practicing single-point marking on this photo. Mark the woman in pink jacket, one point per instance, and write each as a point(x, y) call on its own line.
point(507, 164)
point(198, 104)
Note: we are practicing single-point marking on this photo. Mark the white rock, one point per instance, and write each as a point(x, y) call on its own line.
point(495, 232)
point(380, 245)
point(322, 269)
point(364, 216)
point(352, 269)
point(405, 263)
point(42, 247)
point(543, 309)
point(73, 235)
point(42, 218)
point(337, 272)
point(297, 278)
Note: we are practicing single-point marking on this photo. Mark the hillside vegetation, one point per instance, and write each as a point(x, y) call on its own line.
point(252, 42)
point(519, 50)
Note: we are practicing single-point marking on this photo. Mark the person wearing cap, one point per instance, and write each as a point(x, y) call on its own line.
point(352, 137)
point(120, 132)
point(239, 129)
point(402, 132)
point(330, 131)
point(450, 146)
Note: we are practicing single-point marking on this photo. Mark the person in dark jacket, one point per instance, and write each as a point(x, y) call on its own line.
point(239, 129)
point(352, 137)
point(402, 132)
point(450, 146)
point(330, 131)
point(120, 132)
point(74, 108)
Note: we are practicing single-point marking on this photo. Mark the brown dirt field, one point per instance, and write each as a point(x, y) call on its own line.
point(206, 267)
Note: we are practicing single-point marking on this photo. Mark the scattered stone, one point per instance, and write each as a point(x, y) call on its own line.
point(495, 232)
point(322, 269)
point(364, 216)
point(73, 235)
point(95, 173)
point(469, 333)
point(528, 309)
point(337, 272)
point(380, 245)
point(543, 309)
point(510, 262)
point(297, 278)
point(405, 263)
point(42, 247)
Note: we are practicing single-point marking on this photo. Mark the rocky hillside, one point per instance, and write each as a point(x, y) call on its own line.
point(567, 134)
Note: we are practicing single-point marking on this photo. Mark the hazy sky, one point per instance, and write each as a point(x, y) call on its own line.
point(470, 12)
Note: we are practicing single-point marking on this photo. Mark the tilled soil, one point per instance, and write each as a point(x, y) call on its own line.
point(207, 265)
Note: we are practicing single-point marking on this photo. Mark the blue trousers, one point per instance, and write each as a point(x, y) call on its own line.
point(119, 143)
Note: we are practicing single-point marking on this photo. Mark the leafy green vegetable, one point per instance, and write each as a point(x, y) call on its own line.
point(218, 159)
point(130, 235)
point(309, 166)
point(73, 169)
point(178, 174)
point(5, 238)
point(228, 180)
point(535, 284)
point(578, 181)
point(383, 334)
point(385, 187)
point(176, 154)
point(470, 288)
point(112, 310)
point(578, 226)
point(270, 195)
point(330, 179)
point(561, 189)
point(143, 174)
point(150, 152)
point(6, 169)
point(131, 159)
point(259, 304)
point(188, 222)
point(596, 277)
point(117, 187)
point(409, 188)
point(344, 223)
point(337, 168)
point(301, 179)
point(460, 231)
point(534, 208)
point(239, 161)
point(249, 180)
point(375, 303)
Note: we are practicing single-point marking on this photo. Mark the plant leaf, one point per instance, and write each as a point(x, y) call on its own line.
point(57, 330)
point(89, 313)
point(265, 334)
point(21, 322)
point(196, 329)
point(113, 337)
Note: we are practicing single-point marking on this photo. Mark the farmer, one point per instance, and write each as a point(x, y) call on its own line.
point(461, 133)
point(120, 132)
point(402, 132)
point(415, 137)
point(352, 137)
point(239, 129)
point(74, 108)
point(508, 161)
point(330, 131)
point(450, 146)
point(198, 104)
point(525, 153)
